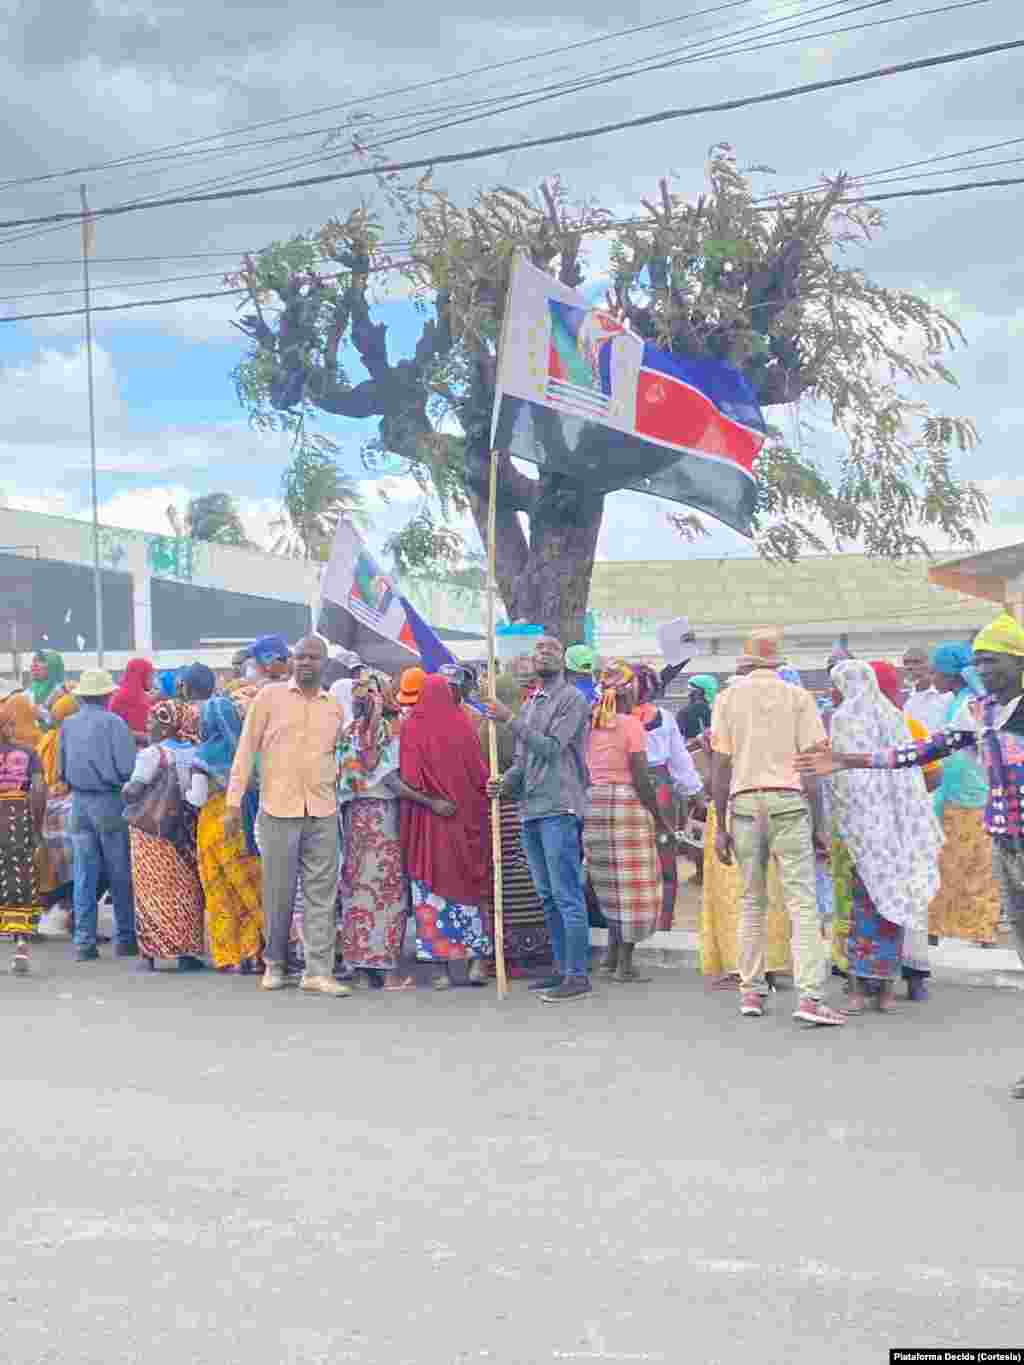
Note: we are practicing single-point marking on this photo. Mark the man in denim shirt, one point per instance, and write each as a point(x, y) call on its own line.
point(97, 755)
point(549, 779)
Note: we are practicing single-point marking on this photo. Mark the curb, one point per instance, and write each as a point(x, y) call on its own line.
point(677, 949)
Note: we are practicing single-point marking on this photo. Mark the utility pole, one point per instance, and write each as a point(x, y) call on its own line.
point(88, 238)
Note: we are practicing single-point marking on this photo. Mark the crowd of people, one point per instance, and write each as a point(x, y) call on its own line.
point(299, 813)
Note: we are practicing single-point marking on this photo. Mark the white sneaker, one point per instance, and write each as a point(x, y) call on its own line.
point(273, 979)
point(323, 985)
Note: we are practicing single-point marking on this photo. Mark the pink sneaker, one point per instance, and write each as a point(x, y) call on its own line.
point(751, 1005)
point(817, 1012)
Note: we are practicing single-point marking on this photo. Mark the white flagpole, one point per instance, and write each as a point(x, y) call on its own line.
point(88, 235)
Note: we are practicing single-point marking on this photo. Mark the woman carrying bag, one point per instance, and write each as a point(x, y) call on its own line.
point(168, 892)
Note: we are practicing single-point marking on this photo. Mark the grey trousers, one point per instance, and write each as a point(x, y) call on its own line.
point(307, 843)
point(1008, 866)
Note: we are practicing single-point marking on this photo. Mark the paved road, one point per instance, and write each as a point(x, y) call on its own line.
point(199, 1174)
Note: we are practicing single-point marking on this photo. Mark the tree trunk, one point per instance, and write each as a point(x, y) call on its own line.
point(554, 588)
point(545, 581)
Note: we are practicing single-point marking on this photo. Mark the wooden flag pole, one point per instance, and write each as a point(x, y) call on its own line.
point(492, 735)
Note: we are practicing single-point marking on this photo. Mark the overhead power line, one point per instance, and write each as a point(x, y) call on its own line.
point(527, 144)
point(474, 113)
point(359, 101)
point(120, 307)
point(228, 293)
point(857, 179)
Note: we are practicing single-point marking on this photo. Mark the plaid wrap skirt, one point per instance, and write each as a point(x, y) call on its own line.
point(622, 860)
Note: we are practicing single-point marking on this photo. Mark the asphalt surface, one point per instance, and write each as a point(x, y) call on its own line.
point(200, 1173)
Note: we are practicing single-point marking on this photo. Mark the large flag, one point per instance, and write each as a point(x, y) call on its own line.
point(360, 608)
point(581, 395)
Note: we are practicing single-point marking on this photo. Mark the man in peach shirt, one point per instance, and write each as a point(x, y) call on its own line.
point(293, 726)
point(757, 726)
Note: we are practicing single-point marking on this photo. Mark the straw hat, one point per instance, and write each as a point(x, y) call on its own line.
point(95, 682)
point(762, 648)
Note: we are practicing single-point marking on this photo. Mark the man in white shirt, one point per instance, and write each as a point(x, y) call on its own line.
point(923, 702)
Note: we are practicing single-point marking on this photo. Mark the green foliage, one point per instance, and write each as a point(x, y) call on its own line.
point(315, 494)
point(761, 285)
point(214, 517)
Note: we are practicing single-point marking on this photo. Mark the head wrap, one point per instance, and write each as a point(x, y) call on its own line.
point(269, 649)
point(648, 684)
point(372, 695)
point(952, 658)
point(1003, 636)
point(580, 659)
point(167, 683)
point(705, 683)
point(890, 682)
point(200, 680)
point(179, 718)
point(131, 700)
point(63, 707)
point(761, 649)
point(220, 729)
point(617, 678)
point(18, 721)
point(789, 674)
point(410, 687)
point(42, 689)
point(440, 754)
point(889, 827)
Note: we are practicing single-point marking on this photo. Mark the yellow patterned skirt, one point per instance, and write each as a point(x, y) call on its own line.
point(20, 903)
point(719, 921)
point(233, 887)
point(967, 902)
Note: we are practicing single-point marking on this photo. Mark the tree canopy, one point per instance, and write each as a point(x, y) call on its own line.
point(214, 517)
point(760, 284)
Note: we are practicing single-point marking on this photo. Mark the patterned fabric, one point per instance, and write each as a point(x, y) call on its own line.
point(447, 931)
point(179, 718)
point(889, 827)
point(622, 861)
point(720, 915)
point(57, 837)
point(999, 740)
point(168, 899)
point(373, 895)
point(527, 938)
point(875, 945)
point(232, 886)
point(967, 905)
point(20, 903)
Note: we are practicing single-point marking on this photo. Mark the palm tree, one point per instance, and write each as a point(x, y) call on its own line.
point(315, 494)
point(214, 517)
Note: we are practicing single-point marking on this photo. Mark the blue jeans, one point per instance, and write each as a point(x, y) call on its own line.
point(99, 835)
point(552, 846)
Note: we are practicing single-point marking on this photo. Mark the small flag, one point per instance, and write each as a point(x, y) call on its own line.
point(581, 395)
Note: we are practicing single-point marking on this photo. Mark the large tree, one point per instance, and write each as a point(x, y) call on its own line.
point(761, 285)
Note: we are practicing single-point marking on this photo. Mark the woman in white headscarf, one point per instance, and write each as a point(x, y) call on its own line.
point(886, 864)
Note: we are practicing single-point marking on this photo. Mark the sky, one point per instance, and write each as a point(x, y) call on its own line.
point(114, 80)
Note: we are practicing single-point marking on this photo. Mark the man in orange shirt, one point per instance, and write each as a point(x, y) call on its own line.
point(757, 727)
point(293, 726)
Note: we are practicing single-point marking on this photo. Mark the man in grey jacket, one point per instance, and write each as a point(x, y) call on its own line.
point(549, 779)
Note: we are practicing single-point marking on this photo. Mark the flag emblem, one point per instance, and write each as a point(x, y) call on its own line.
point(580, 358)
